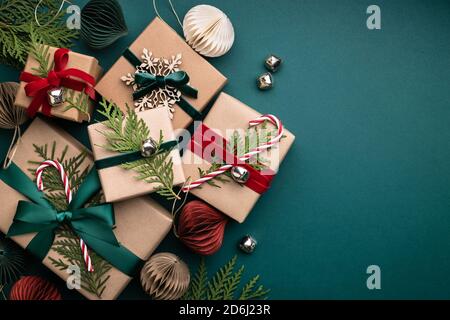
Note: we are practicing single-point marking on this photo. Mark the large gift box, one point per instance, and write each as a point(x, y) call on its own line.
point(76, 74)
point(160, 51)
point(140, 223)
point(224, 136)
point(120, 183)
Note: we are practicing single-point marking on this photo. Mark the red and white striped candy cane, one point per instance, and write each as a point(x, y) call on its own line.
point(68, 193)
point(268, 117)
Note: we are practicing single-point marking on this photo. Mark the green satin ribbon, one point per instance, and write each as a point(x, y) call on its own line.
point(130, 156)
point(93, 224)
point(148, 82)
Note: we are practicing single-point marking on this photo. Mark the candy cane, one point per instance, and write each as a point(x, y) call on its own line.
point(68, 193)
point(268, 117)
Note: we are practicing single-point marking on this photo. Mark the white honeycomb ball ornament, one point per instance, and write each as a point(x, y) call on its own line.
point(208, 30)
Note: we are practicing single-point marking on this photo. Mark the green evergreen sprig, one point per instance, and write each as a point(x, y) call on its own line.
point(18, 26)
point(78, 101)
point(224, 284)
point(67, 243)
point(125, 134)
point(41, 54)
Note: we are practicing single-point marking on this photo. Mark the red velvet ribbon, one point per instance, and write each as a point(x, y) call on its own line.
point(72, 78)
point(257, 182)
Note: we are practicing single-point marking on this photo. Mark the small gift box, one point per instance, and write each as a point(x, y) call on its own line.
point(161, 69)
point(123, 235)
point(58, 82)
point(135, 153)
point(230, 164)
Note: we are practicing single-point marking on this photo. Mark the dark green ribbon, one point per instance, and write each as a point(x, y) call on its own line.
point(93, 224)
point(148, 82)
point(130, 156)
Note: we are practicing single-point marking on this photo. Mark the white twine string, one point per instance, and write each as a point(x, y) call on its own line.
point(173, 11)
point(17, 137)
point(54, 17)
point(175, 210)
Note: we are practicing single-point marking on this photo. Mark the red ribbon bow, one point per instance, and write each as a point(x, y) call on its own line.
point(38, 87)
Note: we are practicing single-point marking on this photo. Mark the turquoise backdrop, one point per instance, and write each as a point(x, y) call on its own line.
point(368, 180)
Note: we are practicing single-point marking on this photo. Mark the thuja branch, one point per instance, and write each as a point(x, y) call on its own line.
point(125, 134)
point(18, 27)
point(224, 284)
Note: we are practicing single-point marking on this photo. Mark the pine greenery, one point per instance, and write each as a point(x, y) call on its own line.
point(224, 284)
point(18, 26)
point(40, 52)
point(78, 101)
point(125, 134)
point(67, 244)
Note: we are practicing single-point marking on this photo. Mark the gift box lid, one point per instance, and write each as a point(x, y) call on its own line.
point(227, 115)
point(163, 42)
point(120, 184)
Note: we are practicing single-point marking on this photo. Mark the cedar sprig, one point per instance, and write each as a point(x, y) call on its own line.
point(67, 243)
point(125, 134)
point(199, 283)
point(78, 101)
point(18, 25)
point(224, 284)
point(51, 177)
point(41, 54)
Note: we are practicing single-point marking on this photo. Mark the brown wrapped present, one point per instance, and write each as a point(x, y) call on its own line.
point(228, 121)
point(160, 51)
point(76, 74)
point(140, 223)
point(121, 183)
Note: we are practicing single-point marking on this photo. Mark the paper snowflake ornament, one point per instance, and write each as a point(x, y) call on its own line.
point(160, 97)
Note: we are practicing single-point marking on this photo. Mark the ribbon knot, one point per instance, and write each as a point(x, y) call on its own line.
point(161, 81)
point(64, 216)
point(53, 79)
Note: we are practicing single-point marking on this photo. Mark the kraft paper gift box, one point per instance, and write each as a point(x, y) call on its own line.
point(163, 42)
point(78, 61)
point(120, 184)
point(226, 116)
point(141, 224)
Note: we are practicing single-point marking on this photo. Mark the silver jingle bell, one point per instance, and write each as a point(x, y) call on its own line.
point(272, 63)
point(148, 148)
point(248, 244)
point(55, 96)
point(240, 174)
point(265, 81)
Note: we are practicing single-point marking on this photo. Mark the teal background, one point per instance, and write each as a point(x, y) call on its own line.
point(367, 181)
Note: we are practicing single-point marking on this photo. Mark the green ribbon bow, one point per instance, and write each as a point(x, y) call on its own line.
point(148, 82)
point(93, 224)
